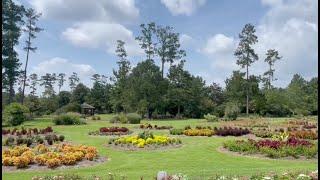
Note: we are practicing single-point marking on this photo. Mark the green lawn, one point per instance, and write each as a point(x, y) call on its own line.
point(197, 157)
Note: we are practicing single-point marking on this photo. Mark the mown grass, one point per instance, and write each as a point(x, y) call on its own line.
point(198, 157)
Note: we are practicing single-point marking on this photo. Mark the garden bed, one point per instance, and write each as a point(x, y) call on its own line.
point(35, 167)
point(224, 150)
point(129, 147)
point(23, 157)
point(111, 131)
point(276, 149)
point(145, 140)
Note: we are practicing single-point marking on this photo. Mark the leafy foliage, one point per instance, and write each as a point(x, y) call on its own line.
point(15, 114)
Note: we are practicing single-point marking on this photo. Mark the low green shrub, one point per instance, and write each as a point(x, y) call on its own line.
point(211, 118)
point(68, 119)
point(133, 118)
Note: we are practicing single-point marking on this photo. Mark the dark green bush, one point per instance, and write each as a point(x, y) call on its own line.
point(133, 118)
point(15, 114)
point(61, 138)
point(68, 119)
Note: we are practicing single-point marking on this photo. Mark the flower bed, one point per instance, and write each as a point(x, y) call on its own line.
point(229, 131)
point(33, 140)
point(304, 134)
point(309, 126)
point(107, 131)
point(198, 132)
point(149, 126)
point(23, 131)
point(65, 154)
point(263, 133)
point(273, 148)
point(145, 139)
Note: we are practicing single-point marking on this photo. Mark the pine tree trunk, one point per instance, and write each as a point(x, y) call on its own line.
point(247, 108)
point(11, 79)
point(162, 61)
point(270, 77)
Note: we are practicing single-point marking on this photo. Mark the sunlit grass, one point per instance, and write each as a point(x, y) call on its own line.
point(197, 157)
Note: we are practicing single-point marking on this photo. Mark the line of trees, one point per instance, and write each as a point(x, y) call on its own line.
point(145, 88)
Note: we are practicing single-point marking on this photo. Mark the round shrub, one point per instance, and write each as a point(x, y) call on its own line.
point(61, 138)
point(134, 118)
point(231, 111)
point(15, 114)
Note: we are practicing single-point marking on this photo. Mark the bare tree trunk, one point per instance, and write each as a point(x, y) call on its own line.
point(247, 108)
point(25, 68)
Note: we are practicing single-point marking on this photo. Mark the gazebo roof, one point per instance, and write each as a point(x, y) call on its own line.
point(86, 106)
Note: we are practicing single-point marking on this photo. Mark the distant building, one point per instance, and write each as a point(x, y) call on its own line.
point(87, 109)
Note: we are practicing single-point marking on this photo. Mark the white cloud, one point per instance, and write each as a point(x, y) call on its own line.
point(219, 48)
point(185, 40)
point(219, 44)
point(186, 7)
point(60, 65)
point(84, 10)
point(101, 35)
point(290, 27)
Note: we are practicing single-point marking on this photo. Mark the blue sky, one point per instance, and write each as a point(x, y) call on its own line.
point(80, 35)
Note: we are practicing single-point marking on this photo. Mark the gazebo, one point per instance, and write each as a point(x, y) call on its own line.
point(87, 109)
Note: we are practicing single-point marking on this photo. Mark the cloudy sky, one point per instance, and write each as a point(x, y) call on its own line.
point(80, 35)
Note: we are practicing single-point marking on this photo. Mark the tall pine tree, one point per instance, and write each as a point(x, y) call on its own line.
point(12, 20)
point(272, 57)
point(31, 29)
point(245, 54)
